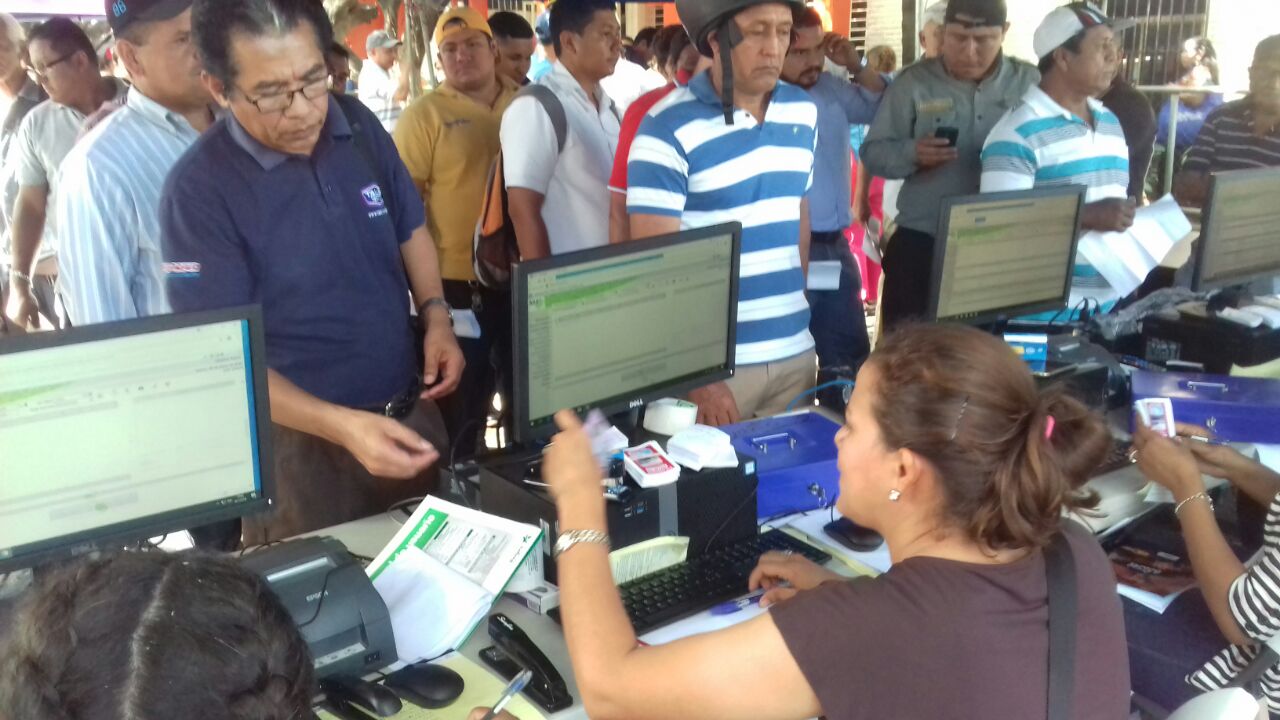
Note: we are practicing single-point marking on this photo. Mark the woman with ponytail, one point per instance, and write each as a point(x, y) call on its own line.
point(152, 636)
point(948, 450)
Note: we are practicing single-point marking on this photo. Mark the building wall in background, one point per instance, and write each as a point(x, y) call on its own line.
point(1236, 27)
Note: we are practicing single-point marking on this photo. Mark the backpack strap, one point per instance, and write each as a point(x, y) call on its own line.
point(551, 104)
point(362, 139)
point(1060, 567)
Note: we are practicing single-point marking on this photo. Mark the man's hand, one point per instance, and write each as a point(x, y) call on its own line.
point(932, 152)
point(385, 447)
point(1113, 215)
point(841, 52)
point(22, 307)
point(716, 405)
point(443, 358)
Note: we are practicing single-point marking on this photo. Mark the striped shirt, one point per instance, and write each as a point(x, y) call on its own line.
point(109, 259)
point(687, 163)
point(1041, 144)
point(1255, 605)
point(1227, 142)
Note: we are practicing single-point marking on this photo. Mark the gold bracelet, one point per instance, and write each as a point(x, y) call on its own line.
point(1198, 496)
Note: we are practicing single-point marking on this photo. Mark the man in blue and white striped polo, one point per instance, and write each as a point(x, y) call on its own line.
point(108, 217)
point(738, 144)
point(1061, 134)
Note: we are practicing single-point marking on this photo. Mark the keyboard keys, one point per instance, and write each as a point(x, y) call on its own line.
point(716, 576)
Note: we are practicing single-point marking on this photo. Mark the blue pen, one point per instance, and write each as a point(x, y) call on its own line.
point(517, 684)
point(733, 606)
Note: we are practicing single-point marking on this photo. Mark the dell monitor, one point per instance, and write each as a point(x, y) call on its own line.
point(1240, 236)
point(1003, 255)
point(115, 433)
point(615, 327)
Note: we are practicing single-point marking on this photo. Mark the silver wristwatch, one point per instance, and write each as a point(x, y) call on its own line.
point(573, 537)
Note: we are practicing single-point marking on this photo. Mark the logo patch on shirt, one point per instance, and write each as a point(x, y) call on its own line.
point(182, 269)
point(373, 197)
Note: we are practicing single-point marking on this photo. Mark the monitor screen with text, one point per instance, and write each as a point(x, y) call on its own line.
point(118, 432)
point(1240, 240)
point(601, 330)
point(1006, 255)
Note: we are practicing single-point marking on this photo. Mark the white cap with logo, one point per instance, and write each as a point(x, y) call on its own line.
point(1068, 21)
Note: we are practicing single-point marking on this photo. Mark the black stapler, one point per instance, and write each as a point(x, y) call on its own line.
point(513, 651)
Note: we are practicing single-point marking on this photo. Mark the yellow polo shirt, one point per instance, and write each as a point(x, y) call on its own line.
point(448, 141)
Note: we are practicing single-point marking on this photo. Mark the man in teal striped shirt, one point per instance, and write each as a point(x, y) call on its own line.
point(1060, 134)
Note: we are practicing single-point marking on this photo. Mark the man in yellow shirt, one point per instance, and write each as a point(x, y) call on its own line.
point(448, 139)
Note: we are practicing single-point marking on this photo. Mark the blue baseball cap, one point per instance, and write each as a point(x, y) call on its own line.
point(123, 13)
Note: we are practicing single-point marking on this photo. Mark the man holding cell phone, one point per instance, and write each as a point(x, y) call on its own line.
point(930, 130)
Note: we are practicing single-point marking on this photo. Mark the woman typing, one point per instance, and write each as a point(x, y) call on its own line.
point(950, 452)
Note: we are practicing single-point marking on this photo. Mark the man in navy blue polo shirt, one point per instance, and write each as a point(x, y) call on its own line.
point(300, 203)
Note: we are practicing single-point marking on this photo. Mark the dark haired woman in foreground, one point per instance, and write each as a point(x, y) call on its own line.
point(154, 636)
point(950, 452)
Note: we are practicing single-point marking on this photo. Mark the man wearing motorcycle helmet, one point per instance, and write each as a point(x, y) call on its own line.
point(687, 169)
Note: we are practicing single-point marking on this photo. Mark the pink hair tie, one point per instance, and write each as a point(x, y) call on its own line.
point(1049, 424)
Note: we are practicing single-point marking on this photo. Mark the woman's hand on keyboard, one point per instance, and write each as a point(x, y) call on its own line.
point(782, 576)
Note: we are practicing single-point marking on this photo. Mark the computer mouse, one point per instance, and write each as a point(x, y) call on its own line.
point(426, 685)
point(362, 694)
point(853, 536)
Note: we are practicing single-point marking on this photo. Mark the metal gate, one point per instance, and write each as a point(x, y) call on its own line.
point(520, 7)
point(1152, 48)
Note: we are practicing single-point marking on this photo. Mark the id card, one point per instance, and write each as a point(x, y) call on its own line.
point(1157, 414)
point(465, 324)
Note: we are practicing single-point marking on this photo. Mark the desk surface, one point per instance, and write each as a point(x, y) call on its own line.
point(368, 536)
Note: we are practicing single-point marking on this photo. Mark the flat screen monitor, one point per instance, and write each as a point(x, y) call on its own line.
point(615, 327)
point(119, 432)
point(1240, 236)
point(1002, 255)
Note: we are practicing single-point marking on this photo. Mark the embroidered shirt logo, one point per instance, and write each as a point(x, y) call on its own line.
point(373, 197)
point(182, 269)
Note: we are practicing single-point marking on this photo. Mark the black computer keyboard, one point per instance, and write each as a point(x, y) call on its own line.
point(712, 578)
point(1117, 457)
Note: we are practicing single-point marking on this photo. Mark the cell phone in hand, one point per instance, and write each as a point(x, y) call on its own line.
point(1157, 414)
point(950, 134)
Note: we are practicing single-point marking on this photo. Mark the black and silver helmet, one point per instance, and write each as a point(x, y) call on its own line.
point(701, 18)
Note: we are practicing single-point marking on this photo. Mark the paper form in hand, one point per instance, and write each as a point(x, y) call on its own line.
point(1125, 259)
point(444, 547)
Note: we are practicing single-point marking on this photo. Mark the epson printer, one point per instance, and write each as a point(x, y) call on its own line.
point(341, 616)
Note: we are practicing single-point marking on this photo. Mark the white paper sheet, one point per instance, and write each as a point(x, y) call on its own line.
point(432, 606)
point(1125, 259)
point(824, 275)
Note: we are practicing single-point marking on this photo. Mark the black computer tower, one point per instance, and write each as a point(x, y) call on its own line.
point(711, 507)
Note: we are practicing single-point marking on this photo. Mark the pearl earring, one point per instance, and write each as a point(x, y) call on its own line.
point(894, 495)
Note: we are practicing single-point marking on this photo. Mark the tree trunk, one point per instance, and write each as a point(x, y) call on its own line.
point(346, 15)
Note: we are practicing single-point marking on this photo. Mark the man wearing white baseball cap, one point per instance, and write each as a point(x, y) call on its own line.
point(1061, 134)
point(380, 87)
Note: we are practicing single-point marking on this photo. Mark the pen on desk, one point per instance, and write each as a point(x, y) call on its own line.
point(733, 606)
point(516, 685)
point(1207, 440)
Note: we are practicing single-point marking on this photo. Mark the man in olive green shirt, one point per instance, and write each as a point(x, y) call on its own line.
point(961, 94)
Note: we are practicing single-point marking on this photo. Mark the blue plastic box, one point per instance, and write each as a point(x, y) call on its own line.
point(1244, 410)
point(795, 458)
